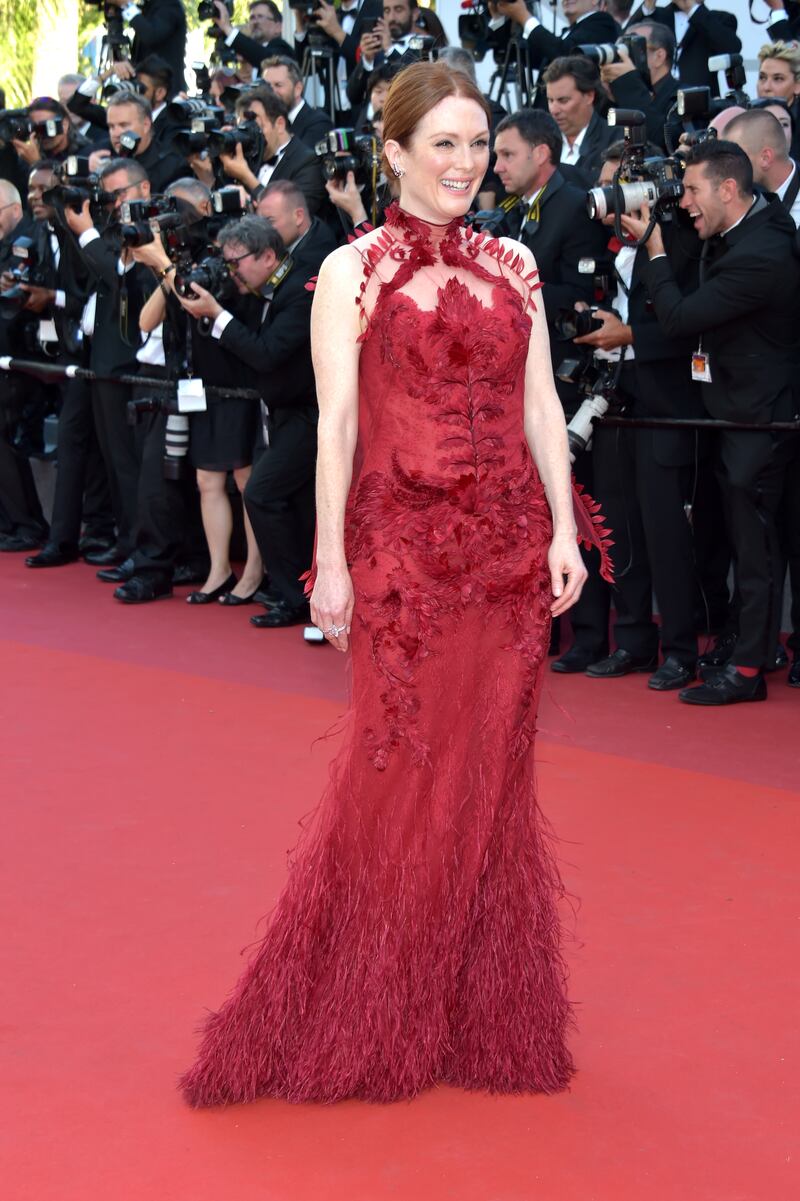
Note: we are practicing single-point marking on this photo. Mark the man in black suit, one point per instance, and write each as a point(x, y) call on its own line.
point(344, 28)
point(700, 33)
point(743, 317)
point(133, 114)
point(307, 239)
point(586, 25)
point(22, 522)
point(644, 479)
point(628, 88)
point(159, 27)
point(86, 125)
point(264, 37)
point(112, 323)
point(285, 156)
point(280, 493)
point(154, 78)
point(308, 124)
point(573, 87)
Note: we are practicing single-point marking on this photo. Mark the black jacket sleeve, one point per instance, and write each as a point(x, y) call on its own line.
point(84, 107)
point(275, 344)
point(745, 284)
point(719, 29)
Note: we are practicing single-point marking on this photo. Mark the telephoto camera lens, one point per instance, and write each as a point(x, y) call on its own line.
point(579, 429)
point(176, 446)
point(602, 201)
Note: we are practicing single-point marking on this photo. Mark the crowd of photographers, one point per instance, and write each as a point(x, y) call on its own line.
point(156, 249)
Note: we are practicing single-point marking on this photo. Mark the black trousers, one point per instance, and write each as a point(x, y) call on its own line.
point(169, 529)
point(280, 499)
point(590, 615)
point(82, 493)
point(789, 530)
point(753, 468)
point(20, 507)
point(118, 447)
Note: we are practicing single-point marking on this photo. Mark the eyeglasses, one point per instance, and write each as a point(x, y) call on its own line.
point(118, 193)
point(232, 264)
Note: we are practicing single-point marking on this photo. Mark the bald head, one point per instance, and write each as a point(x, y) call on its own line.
point(762, 139)
point(10, 208)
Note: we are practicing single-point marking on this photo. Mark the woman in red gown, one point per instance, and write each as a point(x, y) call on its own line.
point(417, 940)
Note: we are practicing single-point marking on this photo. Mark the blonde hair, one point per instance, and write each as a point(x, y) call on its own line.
point(787, 52)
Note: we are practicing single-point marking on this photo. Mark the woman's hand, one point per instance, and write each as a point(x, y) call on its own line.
point(332, 605)
point(567, 572)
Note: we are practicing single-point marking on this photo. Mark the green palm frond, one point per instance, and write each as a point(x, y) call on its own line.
point(20, 21)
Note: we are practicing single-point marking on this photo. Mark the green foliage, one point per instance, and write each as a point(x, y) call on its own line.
point(19, 21)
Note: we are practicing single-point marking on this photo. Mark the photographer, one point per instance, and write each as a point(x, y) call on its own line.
point(586, 25)
point(159, 27)
point(153, 81)
point(344, 27)
point(307, 239)
point(573, 89)
point(22, 522)
point(111, 321)
point(629, 90)
point(85, 125)
point(285, 157)
point(53, 136)
point(280, 494)
point(743, 317)
point(306, 123)
point(647, 478)
point(130, 128)
point(169, 536)
point(782, 27)
point(264, 36)
point(700, 33)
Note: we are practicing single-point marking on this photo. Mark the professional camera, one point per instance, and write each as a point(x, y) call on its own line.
point(227, 202)
point(207, 10)
point(421, 47)
point(635, 44)
point(15, 125)
point(735, 76)
point(576, 323)
point(342, 150)
point(308, 9)
point(656, 182)
point(474, 33)
point(77, 184)
point(25, 269)
point(211, 273)
point(247, 135)
point(128, 143)
point(141, 221)
point(202, 120)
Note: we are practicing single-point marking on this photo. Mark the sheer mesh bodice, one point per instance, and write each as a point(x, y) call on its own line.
point(417, 939)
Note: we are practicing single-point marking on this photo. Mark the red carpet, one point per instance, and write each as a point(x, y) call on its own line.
point(155, 763)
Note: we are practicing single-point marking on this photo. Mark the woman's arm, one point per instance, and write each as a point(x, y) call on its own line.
point(335, 353)
point(546, 435)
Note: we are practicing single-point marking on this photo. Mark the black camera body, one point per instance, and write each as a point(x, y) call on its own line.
point(25, 269)
point(202, 119)
point(15, 125)
point(210, 272)
point(638, 180)
point(342, 150)
point(247, 135)
point(606, 54)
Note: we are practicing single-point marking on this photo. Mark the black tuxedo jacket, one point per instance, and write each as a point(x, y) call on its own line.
point(788, 30)
point(630, 91)
point(84, 107)
point(543, 46)
point(115, 340)
point(745, 311)
point(70, 276)
point(161, 29)
point(255, 52)
point(564, 235)
point(12, 325)
point(301, 165)
point(278, 351)
point(310, 125)
point(599, 134)
point(163, 166)
point(313, 249)
point(710, 32)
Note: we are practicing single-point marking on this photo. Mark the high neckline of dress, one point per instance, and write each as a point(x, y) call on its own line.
point(419, 230)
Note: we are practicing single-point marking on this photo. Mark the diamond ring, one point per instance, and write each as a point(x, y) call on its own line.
point(336, 630)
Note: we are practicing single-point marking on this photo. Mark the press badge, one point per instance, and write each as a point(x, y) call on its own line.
point(701, 369)
point(191, 396)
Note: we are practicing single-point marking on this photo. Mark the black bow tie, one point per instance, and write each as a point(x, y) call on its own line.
point(272, 162)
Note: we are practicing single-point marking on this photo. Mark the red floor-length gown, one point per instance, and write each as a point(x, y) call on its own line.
point(417, 938)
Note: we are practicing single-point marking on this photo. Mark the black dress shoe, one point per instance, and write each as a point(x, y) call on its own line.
point(143, 588)
point(228, 598)
point(111, 557)
point(282, 614)
point(18, 542)
point(793, 678)
point(94, 542)
point(575, 660)
point(671, 674)
point(620, 663)
point(205, 598)
point(52, 556)
point(718, 655)
point(186, 574)
point(117, 575)
point(727, 687)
